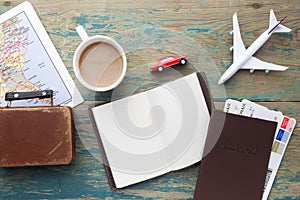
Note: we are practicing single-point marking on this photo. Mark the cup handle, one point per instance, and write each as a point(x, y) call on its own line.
point(81, 32)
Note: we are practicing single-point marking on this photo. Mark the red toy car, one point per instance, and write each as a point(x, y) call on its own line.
point(168, 62)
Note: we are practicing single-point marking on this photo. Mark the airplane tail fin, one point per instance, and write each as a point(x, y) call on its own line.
point(273, 22)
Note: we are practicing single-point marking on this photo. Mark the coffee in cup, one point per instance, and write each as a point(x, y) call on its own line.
point(99, 62)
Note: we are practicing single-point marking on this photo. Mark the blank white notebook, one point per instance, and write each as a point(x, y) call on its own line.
point(153, 132)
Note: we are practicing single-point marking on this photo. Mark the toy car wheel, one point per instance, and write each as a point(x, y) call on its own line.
point(160, 68)
point(183, 61)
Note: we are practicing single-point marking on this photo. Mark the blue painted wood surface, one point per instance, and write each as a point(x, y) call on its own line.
point(149, 30)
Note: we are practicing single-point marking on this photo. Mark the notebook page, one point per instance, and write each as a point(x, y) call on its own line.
point(154, 132)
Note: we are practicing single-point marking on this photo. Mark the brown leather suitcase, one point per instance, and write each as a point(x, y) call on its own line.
point(31, 136)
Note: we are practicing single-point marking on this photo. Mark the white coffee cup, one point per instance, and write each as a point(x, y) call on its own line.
point(99, 62)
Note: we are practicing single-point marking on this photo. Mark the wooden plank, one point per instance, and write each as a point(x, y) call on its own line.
point(202, 33)
point(86, 178)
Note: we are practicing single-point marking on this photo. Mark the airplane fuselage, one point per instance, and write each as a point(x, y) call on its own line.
point(236, 65)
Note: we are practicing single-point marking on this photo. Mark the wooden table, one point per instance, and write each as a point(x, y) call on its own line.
point(149, 30)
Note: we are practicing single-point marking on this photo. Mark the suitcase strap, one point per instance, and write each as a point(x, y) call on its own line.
point(13, 96)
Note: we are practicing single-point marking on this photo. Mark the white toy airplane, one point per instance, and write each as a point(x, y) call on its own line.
point(242, 57)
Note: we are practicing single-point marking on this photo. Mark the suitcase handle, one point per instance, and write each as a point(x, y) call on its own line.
point(13, 96)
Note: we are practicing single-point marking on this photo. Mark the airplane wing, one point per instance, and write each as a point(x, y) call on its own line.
point(238, 45)
point(256, 64)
